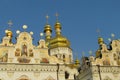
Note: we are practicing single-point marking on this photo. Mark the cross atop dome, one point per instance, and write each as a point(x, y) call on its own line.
point(98, 32)
point(57, 16)
point(10, 23)
point(47, 17)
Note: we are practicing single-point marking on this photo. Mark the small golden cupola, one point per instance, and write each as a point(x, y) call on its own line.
point(100, 41)
point(58, 28)
point(47, 30)
point(77, 62)
point(9, 33)
point(59, 40)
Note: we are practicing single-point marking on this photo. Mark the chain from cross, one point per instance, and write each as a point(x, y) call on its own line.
point(47, 17)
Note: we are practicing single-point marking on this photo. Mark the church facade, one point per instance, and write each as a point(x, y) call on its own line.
point(105, 65)
point(51, 59)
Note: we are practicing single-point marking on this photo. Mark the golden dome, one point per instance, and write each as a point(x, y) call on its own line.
point(47, 28)
point(47, 31)
point(77, 61)
point(58, 28)
point(8, 33)
point(100, 40)
point(59, 41)
point(57, 25)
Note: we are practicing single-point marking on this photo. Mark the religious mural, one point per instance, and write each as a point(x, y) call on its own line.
point(30, 52)
point(23, 59)
point(24, 50)
point(17, 52)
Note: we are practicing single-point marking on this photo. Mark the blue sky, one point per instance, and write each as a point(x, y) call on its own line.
point(79, 18)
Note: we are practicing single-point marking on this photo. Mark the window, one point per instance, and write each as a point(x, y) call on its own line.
point(63, 58)
point(66, 75)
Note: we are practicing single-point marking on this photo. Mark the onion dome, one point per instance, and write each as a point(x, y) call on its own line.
point(77, 62)
point(100, 40)
point(59, 40)
point(47, 31)
point(58, 28)
point(8, 33)
point(47, 28)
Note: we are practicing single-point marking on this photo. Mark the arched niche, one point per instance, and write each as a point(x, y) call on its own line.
point(23, 77)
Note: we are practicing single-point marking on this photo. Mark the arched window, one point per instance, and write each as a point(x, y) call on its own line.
point(63, 58)
point(50, 78)
point(70, 58)
point(56, 55)
point(23, 77)
point(66, 75)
